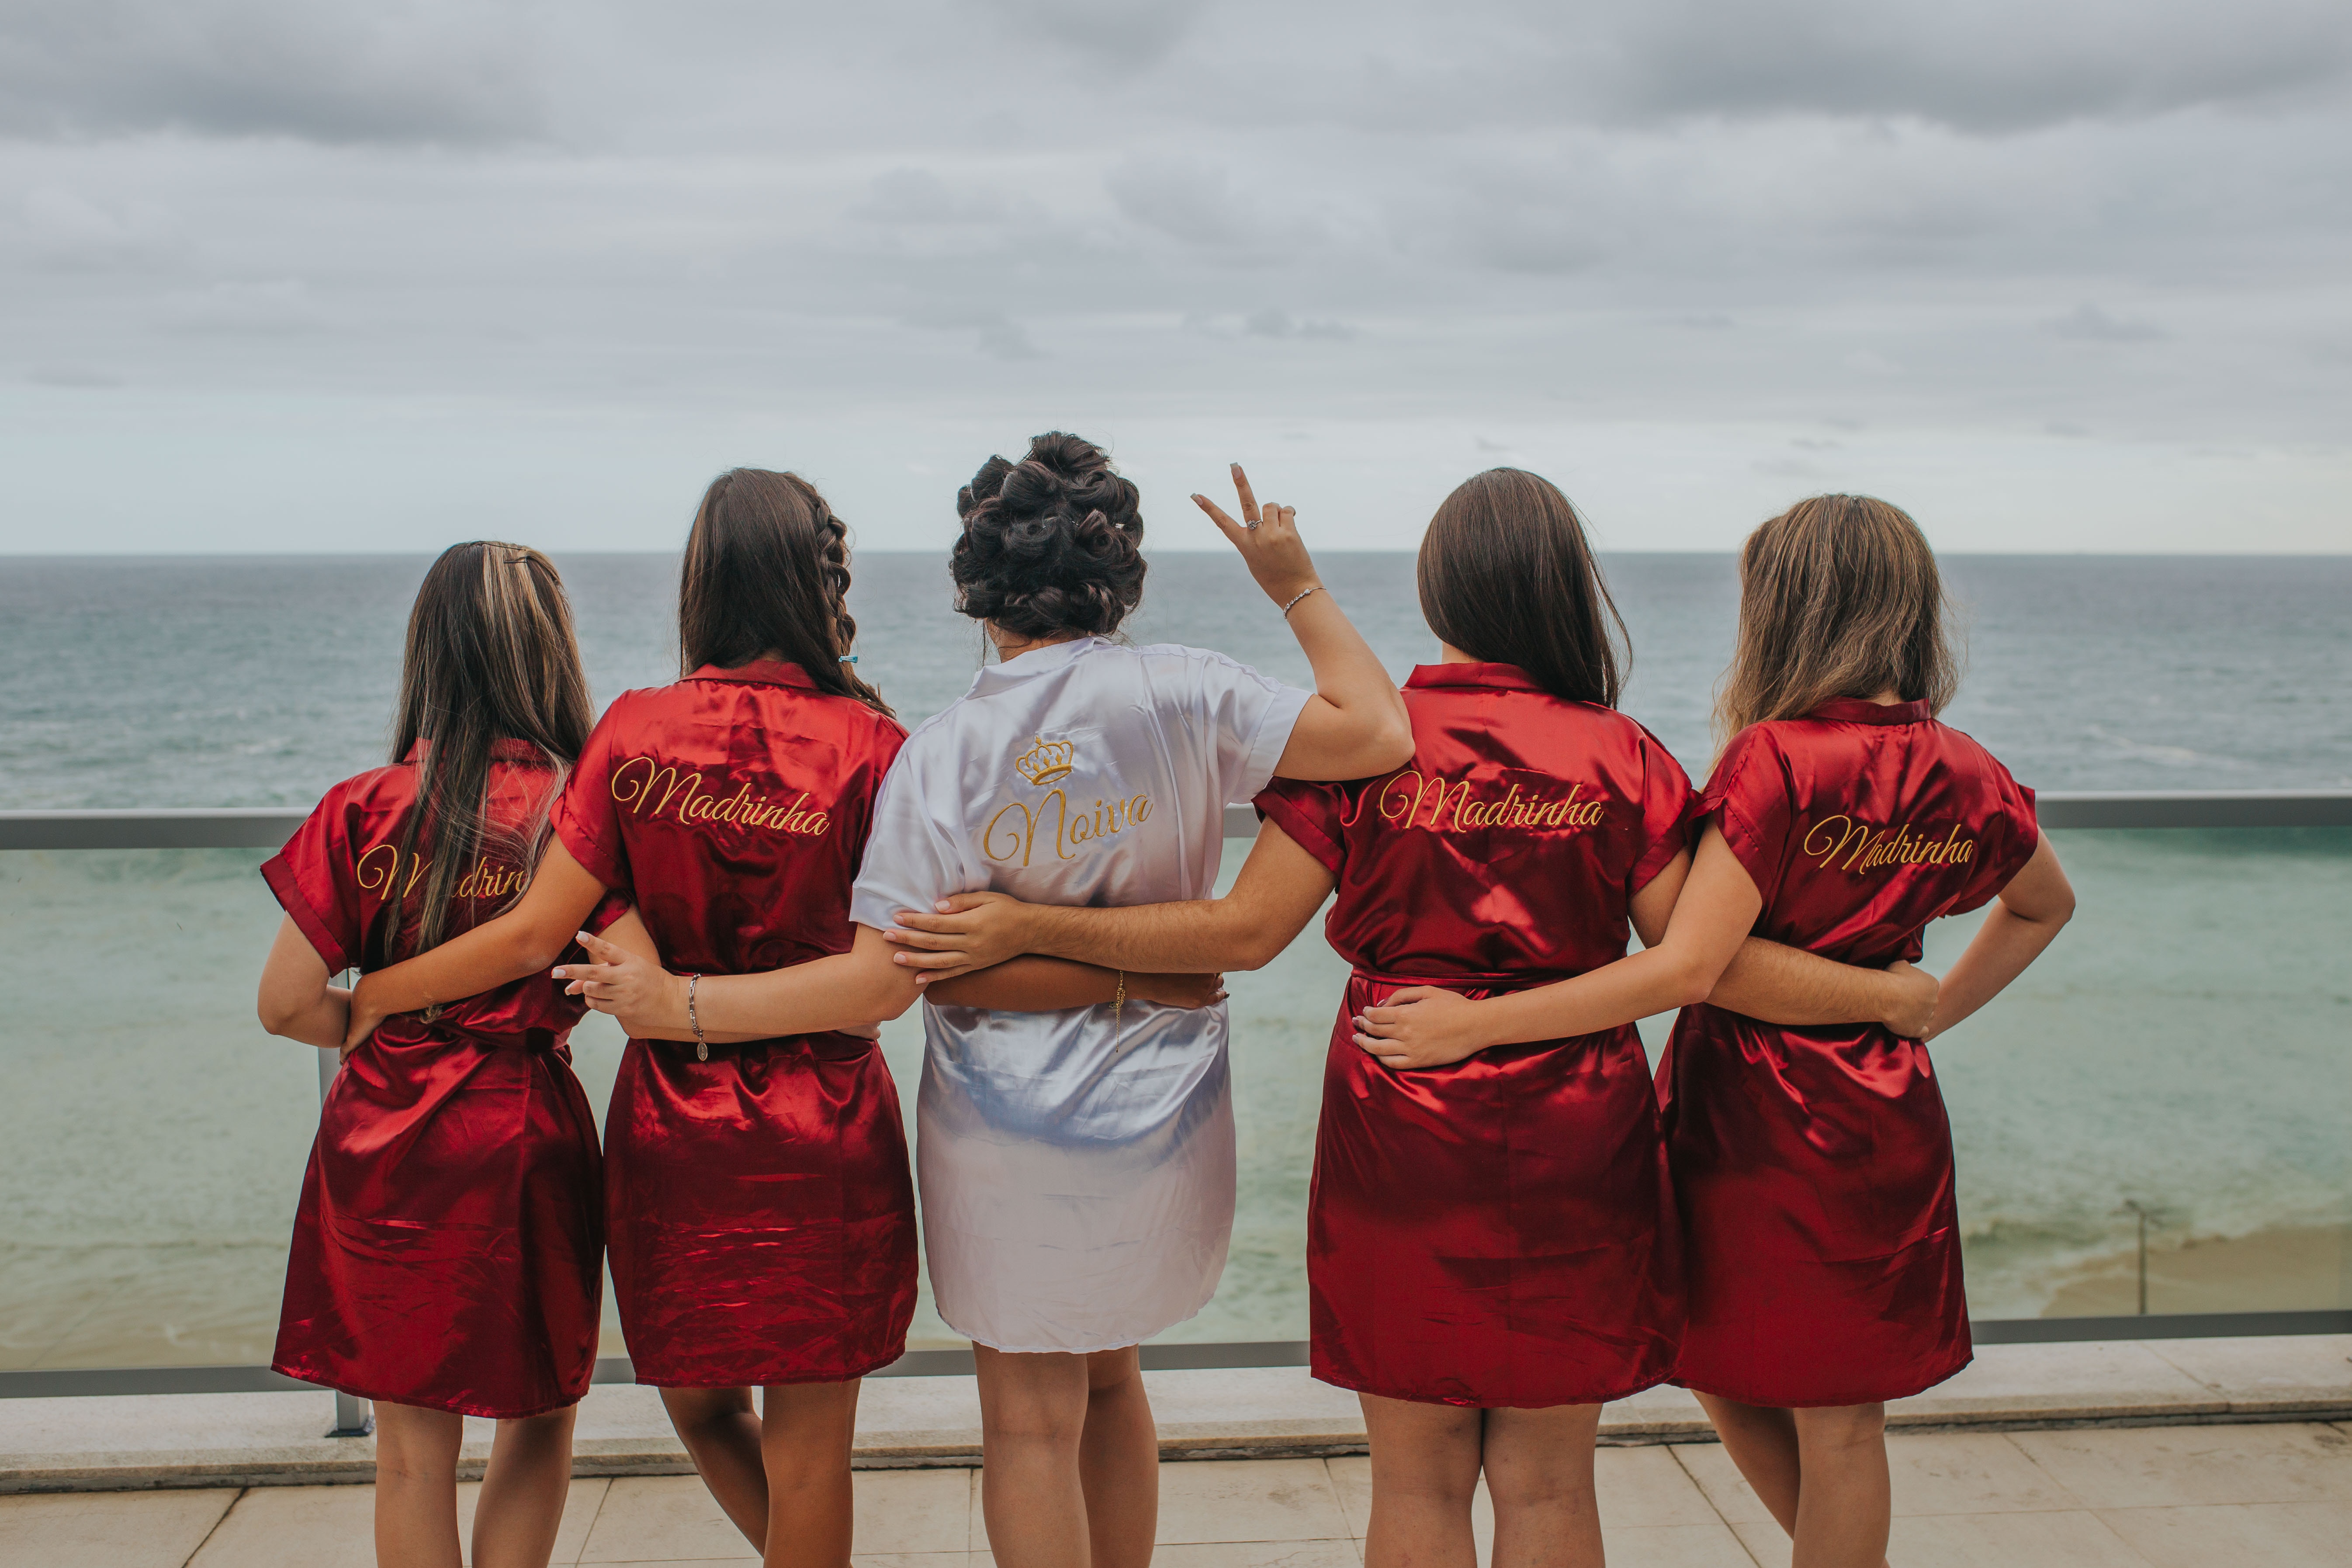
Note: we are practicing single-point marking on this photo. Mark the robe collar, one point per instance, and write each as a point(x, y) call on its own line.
point(991, 679)
point(759, 672)
point(1862, 711)
point(506, 751)
point(1481, 676)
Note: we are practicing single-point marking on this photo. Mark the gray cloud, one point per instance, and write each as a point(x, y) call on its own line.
point(918, 212)
point(1191, 201)
point(72, 376)
point(400, 70)
point(1272, 323)
point(918, 196)
point(2088, 323)
point(1994, 65)
point(998, 335)
point(1133, 33)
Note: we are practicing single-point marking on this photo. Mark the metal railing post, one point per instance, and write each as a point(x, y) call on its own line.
point(2141, 1212)
point(353, 1417)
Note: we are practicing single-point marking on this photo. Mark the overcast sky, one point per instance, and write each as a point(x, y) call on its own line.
point(326, 275)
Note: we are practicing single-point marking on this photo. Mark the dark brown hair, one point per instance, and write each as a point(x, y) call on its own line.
point(1052, 543)
point(1507, 576)
point(767, 571)
point(1839, 596)
point(490, 656)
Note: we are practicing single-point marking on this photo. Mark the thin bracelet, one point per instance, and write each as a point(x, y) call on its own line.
point(1294, 598)
point(1118, 1009)
point(701, 1046)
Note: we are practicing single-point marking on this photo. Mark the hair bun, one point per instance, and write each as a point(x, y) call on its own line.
point(1052, 543)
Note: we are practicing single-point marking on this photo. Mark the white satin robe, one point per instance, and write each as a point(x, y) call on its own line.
point(1077, 1167)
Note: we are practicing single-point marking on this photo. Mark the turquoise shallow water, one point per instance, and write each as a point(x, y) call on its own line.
point(2188, 1046)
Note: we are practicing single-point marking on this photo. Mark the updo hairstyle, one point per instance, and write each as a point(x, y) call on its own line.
point(1052, 543)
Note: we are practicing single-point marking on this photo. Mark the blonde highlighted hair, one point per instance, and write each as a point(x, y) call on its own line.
point(1839, 596)
point(491, 657)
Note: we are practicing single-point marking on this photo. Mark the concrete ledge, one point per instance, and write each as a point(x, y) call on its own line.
point(153, 1441)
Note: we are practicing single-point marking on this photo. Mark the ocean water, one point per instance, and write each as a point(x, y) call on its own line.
point(2186, 1046)
point(260, 680)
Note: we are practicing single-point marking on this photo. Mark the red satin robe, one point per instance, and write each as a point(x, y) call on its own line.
point(1499, 1232)
point(446, 1253)
point(1813, 1166)
point(761, 1214)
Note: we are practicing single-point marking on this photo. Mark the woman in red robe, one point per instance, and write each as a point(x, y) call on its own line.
point(446, 1256)
point(759, 1205)
point(1491, 1249)
point(1814, 1165)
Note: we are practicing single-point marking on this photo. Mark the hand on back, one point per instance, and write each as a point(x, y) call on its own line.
point(626, 986)
point(963, 933)
point(1913, 1017)
point(1419, 1026)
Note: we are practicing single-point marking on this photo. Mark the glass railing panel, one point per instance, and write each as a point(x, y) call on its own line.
point(154, 1137)
point(2186, 1047)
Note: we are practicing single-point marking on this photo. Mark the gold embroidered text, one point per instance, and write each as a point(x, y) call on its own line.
point(1853, 845)
point(649, 788)
point(1409, 799)
point(1013, 831)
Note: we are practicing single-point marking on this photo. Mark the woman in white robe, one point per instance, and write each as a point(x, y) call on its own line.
point(1076, 1164)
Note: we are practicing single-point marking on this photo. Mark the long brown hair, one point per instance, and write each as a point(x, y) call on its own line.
point(1507, 575)
point(490, 656)
point(1839, 596)
point(767, 571)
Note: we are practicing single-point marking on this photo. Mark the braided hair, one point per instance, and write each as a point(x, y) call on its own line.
point(1052, 543)
point(767, 571)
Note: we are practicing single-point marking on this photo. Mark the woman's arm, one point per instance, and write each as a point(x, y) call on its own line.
point(296, 1000)
point(629, 934)
point(1424, 1027)
point(523, 941)
point(1355, 725)
point(843, 992)
point(1280, 888)
point(1783, 985)
point(2024, 918)
point(1789, 985)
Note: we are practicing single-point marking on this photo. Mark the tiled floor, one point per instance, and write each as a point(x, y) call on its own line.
point(2167, 1497)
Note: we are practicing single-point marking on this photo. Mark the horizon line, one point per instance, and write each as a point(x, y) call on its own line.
point(13, 555)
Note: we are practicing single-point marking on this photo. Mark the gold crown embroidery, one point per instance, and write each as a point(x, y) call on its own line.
point(1046, 761)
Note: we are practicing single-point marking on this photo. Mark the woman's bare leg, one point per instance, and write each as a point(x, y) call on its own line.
point(1119, 1461)
point(1538, 1466)
point(417, 1486)
point(1844, 1508)
point(806, 1431)
point(522, 1506)
point(721, 1435)
point(1762, 1442)
point(1034, 1418)
point(1424, 1471)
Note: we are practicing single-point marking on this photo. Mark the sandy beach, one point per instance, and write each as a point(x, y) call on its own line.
point(2289, 1269)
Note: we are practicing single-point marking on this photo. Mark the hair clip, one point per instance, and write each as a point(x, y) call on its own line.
point(849, 659)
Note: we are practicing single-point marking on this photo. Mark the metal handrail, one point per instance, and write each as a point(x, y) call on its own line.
point(266, 827)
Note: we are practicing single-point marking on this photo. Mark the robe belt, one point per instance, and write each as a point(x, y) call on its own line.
point(837, 1045)
point(1518, 979)
point(419, 1033)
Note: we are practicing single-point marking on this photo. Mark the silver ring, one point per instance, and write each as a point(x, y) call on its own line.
point(1249, 525)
